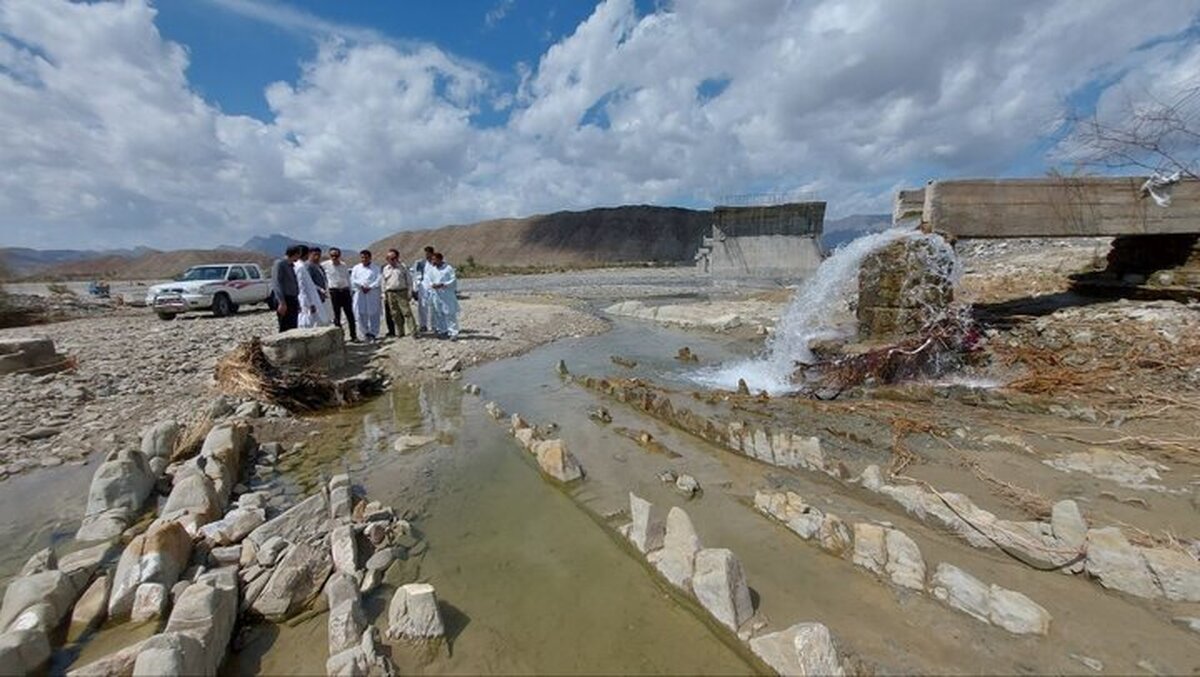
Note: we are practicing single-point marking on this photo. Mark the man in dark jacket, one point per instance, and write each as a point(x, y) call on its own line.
point(285, 288)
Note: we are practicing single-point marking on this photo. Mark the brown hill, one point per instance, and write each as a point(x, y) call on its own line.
point(153, 265)
point(593, 237)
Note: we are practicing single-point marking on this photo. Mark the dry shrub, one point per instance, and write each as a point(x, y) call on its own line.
point(247, 372)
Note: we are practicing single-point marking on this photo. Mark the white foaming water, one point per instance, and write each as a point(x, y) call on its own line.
point(820, 310)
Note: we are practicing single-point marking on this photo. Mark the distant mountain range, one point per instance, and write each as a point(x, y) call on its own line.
point(636, 233)
point(272, 245)
point(137, 263)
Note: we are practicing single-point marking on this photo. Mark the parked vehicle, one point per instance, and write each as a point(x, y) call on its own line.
point(220, 287)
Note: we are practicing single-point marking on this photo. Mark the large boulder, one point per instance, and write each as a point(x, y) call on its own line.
point(905, 565)
point(23, 652)
point(346, 618)
point(118, 490)
point(870, 546)
point(1118, 564)
point(91, 608)
point(206, 611)
point(158, 556)
point(41, 599)
point(158, 442)
point(961, 591)
point(1177, 573)
point(803, 649)
point(413, 613)
point(720, 585)
point(223, 449)
point(676, 561)
point(1016, 613)
point(295, 581)
point(193, 501)
point(170, 653)
point(557, 461)
point(322, 348)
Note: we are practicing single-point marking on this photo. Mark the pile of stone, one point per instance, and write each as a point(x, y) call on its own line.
point(210, 554)
point(889, 552)
point(33, 356)
point(714, 577)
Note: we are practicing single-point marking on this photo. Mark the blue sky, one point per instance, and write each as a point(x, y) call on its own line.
point(235, 56)
point(201, 122)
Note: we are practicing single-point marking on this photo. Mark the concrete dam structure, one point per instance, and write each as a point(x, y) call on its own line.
point(764, 244)
point(1052, 207)
point(1155, 228)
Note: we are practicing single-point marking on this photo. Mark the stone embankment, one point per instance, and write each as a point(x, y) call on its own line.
point(1063, 543)
point(212, 552)
point(714, 577)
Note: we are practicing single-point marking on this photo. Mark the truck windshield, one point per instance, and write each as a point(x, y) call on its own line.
point(205, 273)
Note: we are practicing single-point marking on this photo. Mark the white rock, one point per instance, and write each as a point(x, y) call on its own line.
point(410, 442)
point(645, 531)
point(23, 652)
point(905, 565)
point(676, 561)
point(870, 546)
point(52, 588)
point(149, 602)
point(1016, 613)
point(1177, 573)
point(306, 519)
point(1118, 564)
point(343, 550)
point(962, 591)
point(413, 613)
point(719, 583)
point(1068, 525)
point(803, 649)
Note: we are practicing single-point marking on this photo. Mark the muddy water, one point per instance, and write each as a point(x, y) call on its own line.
point(529, 582)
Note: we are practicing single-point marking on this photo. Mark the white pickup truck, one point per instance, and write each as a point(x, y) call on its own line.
point(220, 287)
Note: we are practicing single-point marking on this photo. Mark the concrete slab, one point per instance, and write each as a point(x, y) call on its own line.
point(1058, 207)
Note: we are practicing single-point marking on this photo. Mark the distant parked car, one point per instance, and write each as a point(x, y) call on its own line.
point(220, 287)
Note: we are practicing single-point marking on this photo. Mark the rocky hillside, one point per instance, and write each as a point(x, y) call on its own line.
point(596, 236)
point(152, 265)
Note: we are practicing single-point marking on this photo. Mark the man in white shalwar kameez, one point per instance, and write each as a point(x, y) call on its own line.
point(310, 297)
point(442, 284)
point(366, 281)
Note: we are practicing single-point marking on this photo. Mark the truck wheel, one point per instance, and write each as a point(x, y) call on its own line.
point(166, 317)
point(222, 306)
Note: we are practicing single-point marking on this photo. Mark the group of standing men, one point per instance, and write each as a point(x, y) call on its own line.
point(312, 293)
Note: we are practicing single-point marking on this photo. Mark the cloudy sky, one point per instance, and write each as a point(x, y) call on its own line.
point(201, 122)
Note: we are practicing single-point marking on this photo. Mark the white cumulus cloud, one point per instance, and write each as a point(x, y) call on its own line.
point(107, 142)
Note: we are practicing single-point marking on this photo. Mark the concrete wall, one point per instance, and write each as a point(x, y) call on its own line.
point(909, 205)
point(767, 257)
point(774, 243)
point(1058, 207)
